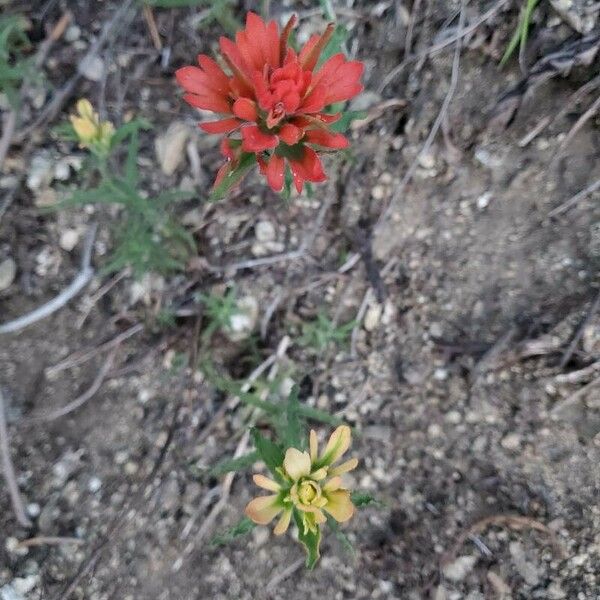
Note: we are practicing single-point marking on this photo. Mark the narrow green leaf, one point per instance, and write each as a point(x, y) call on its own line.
point(247, 161)
point(362, 499)
point(131, 169)
point(126, 130)
point(334, 46)
point(341, 537)
point(311, 541)
point(348, 117)
point(270, 452)
point(519, 37)
point(315, 414)
point(234, 464)
point(244, 527)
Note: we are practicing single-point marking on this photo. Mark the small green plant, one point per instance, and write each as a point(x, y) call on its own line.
point(520, 35)
point(147, 238)
point(218, 311)
point(14, 65)
point(306, 486)
point(323, 331)
point(220, 11)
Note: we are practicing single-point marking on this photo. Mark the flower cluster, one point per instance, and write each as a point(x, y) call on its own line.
point(275, 98)
point(309, 484)
point(92, 133)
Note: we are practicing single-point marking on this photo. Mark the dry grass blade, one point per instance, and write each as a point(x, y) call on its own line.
point(565, 206)
point(518, 522)
point(9, 470)
point(79, 401)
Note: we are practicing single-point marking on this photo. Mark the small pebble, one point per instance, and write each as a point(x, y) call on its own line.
point(8, 271)
point(458, 569)
point(92, 68)
point(69, 239)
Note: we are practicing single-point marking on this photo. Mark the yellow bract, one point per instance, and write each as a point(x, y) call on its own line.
point(92, 132)
point(309, 484)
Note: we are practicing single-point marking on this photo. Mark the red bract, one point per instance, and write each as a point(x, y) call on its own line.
point(273, 100)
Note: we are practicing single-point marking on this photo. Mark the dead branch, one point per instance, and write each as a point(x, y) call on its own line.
point(9, 470)
point(80, 357)
point(80, 400)
point(83, 278)
point(49, 541)
point(565, 206)
point(518, 522)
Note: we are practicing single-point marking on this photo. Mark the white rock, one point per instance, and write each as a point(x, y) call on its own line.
point(243, 322)
point(62, 170)
point(40, 173)
point(373, 317)
point(24, 585)
point(526, 569)
point(94, 484)
point(7, 592)
point(427, 160)
point(440, 374)
point(8, 271)
point(34, 510)
point(170, 147)
point(378, 192)
point(69, 239)
point(484, 200)
point(458, 569)
point(512, 441)
point(265, 231)
point(434, 430)
point(92, 68)
point(72, 33)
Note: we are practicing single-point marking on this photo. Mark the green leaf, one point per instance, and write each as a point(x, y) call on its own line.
point(362, 499)
point(126, 130)
point(334, 46)
point(311, 541)
point(292, 413)
point(346, 120)
point(244, 527)
point(270, 452)
point(234, 464)
point(341, 537)
point(235, 176)
point(519, 37)
point(131, 170)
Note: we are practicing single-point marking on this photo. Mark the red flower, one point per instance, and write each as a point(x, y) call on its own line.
point(274, 98)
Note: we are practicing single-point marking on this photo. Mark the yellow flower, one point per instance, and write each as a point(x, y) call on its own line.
point(92, 132)
point(310, 485)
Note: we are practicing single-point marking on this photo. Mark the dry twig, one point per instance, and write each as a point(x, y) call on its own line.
point(565, 206)
point(79, 401)
point(80, 357)
point(517, 522)
point(9, 470)
point(42, 540)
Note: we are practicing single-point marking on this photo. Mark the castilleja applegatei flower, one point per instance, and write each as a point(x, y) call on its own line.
point(310, 484)
point(273, 102)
